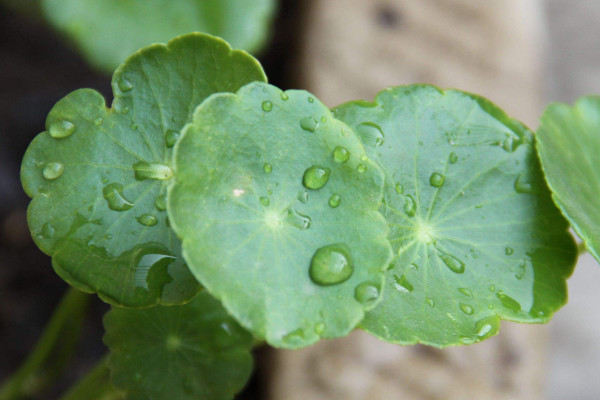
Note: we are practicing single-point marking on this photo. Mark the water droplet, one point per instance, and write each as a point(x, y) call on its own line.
point(453, 263)
point(331, 265)
point(399, 188)
point(113, 194)
point(467, 309)
point(410, 206)
point(147, 220)
point(361, 168)
point(430, 302)
point(161, 202)
point(298, 220)
point(98, 121)
point(311, 100)
point(485, 327)
point(508, 251)
point(149, 257)
point(320, 328)
point(341, 154)
point(453, 158)
point(120, 107)
point(124, 85)
point(303, 196)
point(335, 200)
point(436, 180)
point(366, 293)
point(492, 288)
point(284, 96)
point(268, 168)
point(315, 177)
point(370, 134)
point(466, 292)
point(508, 302)
point(145, 170)
point(267, 106)
point(264, 201)
point(48, 230)
point(294, 337)
point(53, 170)
point(61, 129)
point(523, 185)
point(402, 284)
point(134, 126)
point(323, 119)
point(171, 137)
point(309, 124)
point(511, 143)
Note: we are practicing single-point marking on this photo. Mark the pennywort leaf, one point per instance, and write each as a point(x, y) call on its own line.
point(98, 176)
point(475, 233)
point(568, 143)
point(276, 203)
point(191, 351)
point(108, 31)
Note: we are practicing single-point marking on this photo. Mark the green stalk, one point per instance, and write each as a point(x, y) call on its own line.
point(53, 350)
point(95, 385)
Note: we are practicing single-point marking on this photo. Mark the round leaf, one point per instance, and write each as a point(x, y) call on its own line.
point(193, 351)
point(276, 203)
point(98, 177)
point(108, 31)
point(568, 143)
point(472, 224)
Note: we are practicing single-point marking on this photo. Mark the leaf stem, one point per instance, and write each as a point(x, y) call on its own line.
point(53, 350)
point(95, 385)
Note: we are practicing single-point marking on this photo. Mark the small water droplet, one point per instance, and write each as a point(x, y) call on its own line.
point(402, 284)
point(323, 119)
point(284, 96)
point(161, 202)
point(523, 185)
point(98, 121)
point(145, 170)
point(113, 194)
point(298, 220)
point(268, 168)
point(134, 126)
point(399, 188)
point(492, 288)
point(508, 302)
point(430, 302)
point(453, 263)
point(311, 100)
point(361, 168)
point(453, 158)
point(511, 143)
point(467, 309)
point(335, 200)
point(53, 170)
point(61, 129)
point(264, 201)
point(315, 177)
point(331, 265)
point(120, 107)
point(48, 230)
point(370, 133)
point(508, 251)
point(267, 106)
point(147, 220)
point(303, 196)
point(320, 328)
point(309, 124)
point(436, 180)
point(171, 137)
point(466, 292)
point(294, 337)
point(366, 293)
point(341, 154)
point(410, 206)
point(124, 85)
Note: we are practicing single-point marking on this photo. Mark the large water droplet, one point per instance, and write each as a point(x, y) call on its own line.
point(366, 293)
point(335, 200)
point(161, 202)
point(453, 263)
point(124, 85)
point(523, 184)
point(150, 256)
point(331, 265)
point(370, 133)
point(113, 194)
point(145, 170)
point(61, 129)
point(485, 327)
point(341, 154)
point(147, 220)
point(436, 180)
point(53, 170)
point(171, 137)
point(298, 220)
point(410, 206)
point(309, 124)
point(467, 309)
point(315, 177)
point(267, 106)
point(402, 284)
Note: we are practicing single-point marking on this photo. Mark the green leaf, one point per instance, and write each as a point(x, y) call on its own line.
point(476, 236)
point(568, 143)
point(193, 351)
point(108, 31)
point(98, 177)
point(276, 203)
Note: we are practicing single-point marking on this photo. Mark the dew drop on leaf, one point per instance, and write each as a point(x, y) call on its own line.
point(147, 220)
point(53, 170)
point(113, 194)
point(429, 302)
point(331, 265)
point(311, 100)
point(453, 263)
point(320, 328)
point(315, 177)
point(171, 137)
point(298, 220)
point(410, 206)
point(47, 230)
point(98, 121)
point(370, 133)
point(161, 202)
point(134, 126)
point(267, 106)
point(284, 96)
point(309, 124)
point(61, 129)
point(268, 168)
point(508, 251)
point(362, 168)
point(124, 85)
point(402, 284)
point(466, 292)
point(399, 188)
point(467, 309)
point(341, 154)
point(508, 302)
point(485, 327)
point(264, 201)
point(145, 170)
point(150, 256)
point(523, 185)
point(366, 293)
point(303, 196)
point(294, 336)
point(453, 158)
point(436, 180)
point(335, 200)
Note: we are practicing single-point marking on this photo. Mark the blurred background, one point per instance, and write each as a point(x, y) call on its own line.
point(521, 54)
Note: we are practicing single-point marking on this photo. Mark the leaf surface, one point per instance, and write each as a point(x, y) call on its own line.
point(276, 203)
point(476, 235)
point(568, 143)
point(98, 176)
point(108, 31)
point(191, 351)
